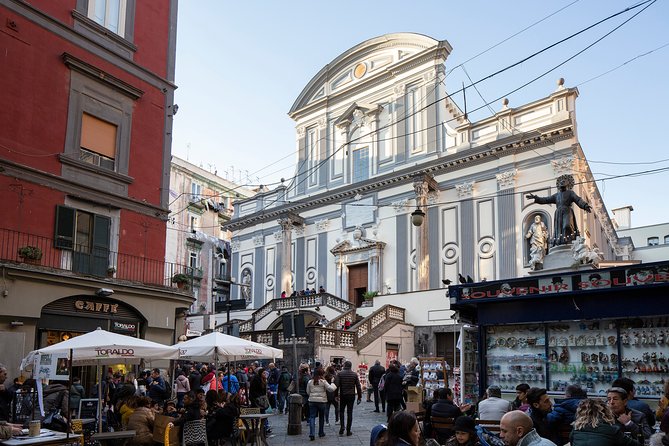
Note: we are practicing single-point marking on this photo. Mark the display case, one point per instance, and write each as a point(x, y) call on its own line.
point(516, 354)
point(645, 354)
point(432, 374)
point(469, 366)
point(583, 353)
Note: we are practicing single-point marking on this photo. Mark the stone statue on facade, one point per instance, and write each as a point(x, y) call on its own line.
point(246, 285)
point(538, 237)
point(565, 228)
point(584, 255)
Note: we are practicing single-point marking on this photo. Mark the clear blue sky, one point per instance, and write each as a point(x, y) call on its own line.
point(241, 65)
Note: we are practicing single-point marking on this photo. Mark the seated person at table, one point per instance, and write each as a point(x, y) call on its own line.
point(170, 409)
point(220, 423)
point(465, 433)
point(7, 430)
point(141, 421)
point(446, 408)
point(494, 406)
point(126, 409)
point(427, 405)
point(191, 410)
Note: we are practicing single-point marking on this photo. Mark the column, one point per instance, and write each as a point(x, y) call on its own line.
point(286, 257)
point(422, 247)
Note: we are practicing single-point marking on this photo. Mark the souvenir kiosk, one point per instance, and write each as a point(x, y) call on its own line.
point(582, 327)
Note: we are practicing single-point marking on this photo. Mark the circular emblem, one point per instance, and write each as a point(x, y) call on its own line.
point(360, 70)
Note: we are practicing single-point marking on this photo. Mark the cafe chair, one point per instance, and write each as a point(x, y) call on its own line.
point(195, 433)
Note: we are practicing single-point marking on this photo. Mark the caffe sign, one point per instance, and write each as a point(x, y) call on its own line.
point(95, 307)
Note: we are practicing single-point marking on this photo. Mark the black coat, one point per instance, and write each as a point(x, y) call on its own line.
point(393, 386)
point(375, 374)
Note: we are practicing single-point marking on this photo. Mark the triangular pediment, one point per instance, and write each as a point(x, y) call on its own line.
point(362, 244)
point(349, 115)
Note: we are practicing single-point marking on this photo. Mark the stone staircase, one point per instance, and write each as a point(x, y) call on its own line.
point(373, 326)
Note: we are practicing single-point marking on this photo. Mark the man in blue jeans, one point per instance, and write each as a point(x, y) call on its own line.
point(348, 384)
point(285, 378)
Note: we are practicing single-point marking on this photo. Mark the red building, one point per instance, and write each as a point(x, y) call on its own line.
point(85, 141)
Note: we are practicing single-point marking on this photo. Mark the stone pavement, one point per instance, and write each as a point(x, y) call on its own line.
point(364, 419)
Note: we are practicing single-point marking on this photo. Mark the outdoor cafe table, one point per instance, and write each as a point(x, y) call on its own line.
point(46, 437)
point(257, 429)
point(104, 437)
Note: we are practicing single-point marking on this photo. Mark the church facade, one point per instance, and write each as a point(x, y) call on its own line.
point(382, 148)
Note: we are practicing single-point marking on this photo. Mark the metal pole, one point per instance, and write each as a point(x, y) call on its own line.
point(294, 336)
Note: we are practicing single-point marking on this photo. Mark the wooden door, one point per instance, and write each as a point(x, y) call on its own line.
point(357, 283)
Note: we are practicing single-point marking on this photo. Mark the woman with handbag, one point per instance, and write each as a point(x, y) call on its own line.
point(258, 394)
point(317, 389)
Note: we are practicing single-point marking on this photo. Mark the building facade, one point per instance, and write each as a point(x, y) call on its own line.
point(84, 171)
point(378, 139)
point(201, 203)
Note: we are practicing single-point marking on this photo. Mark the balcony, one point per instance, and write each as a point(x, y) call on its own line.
point(40, 253)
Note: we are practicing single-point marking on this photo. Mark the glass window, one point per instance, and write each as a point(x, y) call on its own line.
point(195, 191)
point(193, 222)
point(108, 13)
point(653, 241)
point(360, 164)
point(385, 134)
point(414, 124)
point(311, 144)
point(98, 142)
point(666, 239)
point(88, 236)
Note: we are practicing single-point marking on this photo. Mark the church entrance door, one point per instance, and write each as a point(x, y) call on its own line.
point(357, 283)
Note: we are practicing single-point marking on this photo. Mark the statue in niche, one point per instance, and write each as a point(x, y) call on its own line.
point(246, 285)
point(565, 228)
point(537, 235)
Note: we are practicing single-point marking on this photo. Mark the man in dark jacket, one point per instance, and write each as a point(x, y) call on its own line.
point(633, 402)
point(629, 420)
point(375, 374)
point(194, 378)
point(445, 408)
point(5, 395)
point(540, 406)
point(156, 387)
point(348, 384)
point(564, 413)
point(392, 388)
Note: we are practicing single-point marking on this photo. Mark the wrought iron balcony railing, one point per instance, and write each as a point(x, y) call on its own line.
point(41, 252)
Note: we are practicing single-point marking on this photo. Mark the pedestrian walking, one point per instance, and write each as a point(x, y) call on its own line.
point(317, 389)
point(348, 384)
point(375, 374)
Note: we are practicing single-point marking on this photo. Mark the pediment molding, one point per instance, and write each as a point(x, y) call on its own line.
point(362, 244)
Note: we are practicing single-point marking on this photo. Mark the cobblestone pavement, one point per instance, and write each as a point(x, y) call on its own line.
point(364, 419)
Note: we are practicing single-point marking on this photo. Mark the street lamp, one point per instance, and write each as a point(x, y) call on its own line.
point(417, 217)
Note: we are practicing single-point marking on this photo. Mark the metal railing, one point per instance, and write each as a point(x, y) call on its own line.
point(36, 251)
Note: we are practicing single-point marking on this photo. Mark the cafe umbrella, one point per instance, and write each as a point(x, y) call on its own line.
point(101, 347)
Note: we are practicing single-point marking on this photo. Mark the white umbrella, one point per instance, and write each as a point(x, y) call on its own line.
point(100, 347)
point(221, 346)
point(104, 347)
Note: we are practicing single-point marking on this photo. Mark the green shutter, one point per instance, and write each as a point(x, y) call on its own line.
point(100, 251)
point(64, 238)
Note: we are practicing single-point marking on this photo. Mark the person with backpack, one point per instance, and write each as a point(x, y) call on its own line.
point(272, 384)
point(376, 373)
point(285, 378)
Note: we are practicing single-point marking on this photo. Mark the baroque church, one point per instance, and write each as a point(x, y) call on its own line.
point(395, 193)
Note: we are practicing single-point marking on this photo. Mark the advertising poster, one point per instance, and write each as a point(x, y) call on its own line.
point(53, 367)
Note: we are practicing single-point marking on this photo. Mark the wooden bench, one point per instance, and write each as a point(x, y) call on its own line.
point(440, 425)
point(491, 425)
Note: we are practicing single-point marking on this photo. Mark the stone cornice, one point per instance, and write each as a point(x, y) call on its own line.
point(101, 76)
point(444, 164)
point(16, 170)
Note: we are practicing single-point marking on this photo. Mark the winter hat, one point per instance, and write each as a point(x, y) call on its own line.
point(465, 424)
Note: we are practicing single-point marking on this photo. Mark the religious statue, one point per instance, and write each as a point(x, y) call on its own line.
point(565, 229)
point(246, 285)
point(584, 255)
point(538, 237)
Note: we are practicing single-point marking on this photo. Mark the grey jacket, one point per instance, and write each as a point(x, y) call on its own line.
point(533, 439)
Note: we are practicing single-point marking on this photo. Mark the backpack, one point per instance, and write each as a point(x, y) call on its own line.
point(488, 438)
point(284, 381)
point(167, 393)
point(382, 382)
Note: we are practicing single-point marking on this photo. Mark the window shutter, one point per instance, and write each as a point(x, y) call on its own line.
point(100, 251)
point(64, 227)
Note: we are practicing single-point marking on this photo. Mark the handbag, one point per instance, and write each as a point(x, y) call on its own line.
point(262, 402)
point(55, 421)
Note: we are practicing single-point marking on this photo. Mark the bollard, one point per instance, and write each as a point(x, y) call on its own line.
point(295, 414)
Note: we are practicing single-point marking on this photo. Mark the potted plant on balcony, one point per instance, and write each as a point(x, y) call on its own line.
point(30, 254)
point(369, 297)
point(181, 280)
point(111, 270)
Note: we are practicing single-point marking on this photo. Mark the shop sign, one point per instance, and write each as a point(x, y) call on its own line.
point(107, 352)
point(634, 276)
point(124, 327)
point(95, 307)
